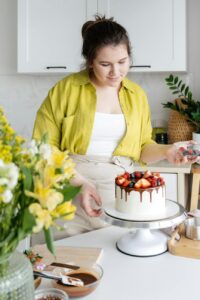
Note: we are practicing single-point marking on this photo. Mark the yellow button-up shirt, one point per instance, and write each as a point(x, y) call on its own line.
point(68, 111)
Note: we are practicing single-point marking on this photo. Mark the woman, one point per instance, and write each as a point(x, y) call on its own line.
point(102, 118)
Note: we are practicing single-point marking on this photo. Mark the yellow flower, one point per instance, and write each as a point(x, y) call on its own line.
point(5, 153)
point(58, 158)
point(43, 218)
point(65, 210)
point(48, 198)
point(61, 160)
point(19, 140)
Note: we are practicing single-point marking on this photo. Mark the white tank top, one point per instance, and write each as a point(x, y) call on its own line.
point(108, 130)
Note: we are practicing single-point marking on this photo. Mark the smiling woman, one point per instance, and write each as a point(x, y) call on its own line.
point(98, 107)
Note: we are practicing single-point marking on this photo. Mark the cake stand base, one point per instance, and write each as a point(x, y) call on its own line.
point(143, 242)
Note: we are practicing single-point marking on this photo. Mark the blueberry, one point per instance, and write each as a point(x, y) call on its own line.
point(185, 152)
point(131, 184)
point(132, 175)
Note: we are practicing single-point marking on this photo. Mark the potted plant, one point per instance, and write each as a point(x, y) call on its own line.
point(185, 104)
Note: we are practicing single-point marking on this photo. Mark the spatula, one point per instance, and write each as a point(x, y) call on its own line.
point(67, 280)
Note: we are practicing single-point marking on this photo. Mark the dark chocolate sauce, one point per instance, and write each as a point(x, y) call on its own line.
point(87, 278)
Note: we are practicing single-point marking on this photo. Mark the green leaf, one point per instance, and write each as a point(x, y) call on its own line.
point(27, 180)
point(189, 95)
point(170, 78)
point(186, 90)
point(69, 192)
point(179, 83)
point(173, 88)
point(28, 221)
point(182, 87)
point(176, 92)
point(49, 240)
point(175, 80)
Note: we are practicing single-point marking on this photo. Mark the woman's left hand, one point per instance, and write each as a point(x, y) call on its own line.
point(175, 155)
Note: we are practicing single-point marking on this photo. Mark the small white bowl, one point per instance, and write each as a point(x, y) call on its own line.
point(42, 293)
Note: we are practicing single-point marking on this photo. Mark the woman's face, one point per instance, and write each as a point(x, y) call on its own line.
point(110, 65)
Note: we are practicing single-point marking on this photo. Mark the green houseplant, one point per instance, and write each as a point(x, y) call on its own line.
point(187, 106)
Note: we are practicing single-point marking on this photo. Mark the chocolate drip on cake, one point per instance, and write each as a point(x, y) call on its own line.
point(150, 190)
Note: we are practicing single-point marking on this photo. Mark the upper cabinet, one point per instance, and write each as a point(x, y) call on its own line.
point(157, 30)
point(49, 33)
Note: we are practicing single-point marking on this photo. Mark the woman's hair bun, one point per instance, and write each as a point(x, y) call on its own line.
point(86, 26)
point(89, 24)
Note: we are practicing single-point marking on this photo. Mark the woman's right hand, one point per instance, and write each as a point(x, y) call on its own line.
point(88, 198)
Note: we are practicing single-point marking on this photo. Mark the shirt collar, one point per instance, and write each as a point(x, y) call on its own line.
point(128, 84)
point(83, 78)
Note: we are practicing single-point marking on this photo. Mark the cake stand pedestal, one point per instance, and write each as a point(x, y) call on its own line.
point(146, 239)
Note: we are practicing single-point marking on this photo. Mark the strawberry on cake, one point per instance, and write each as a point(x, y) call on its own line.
point(140, 195)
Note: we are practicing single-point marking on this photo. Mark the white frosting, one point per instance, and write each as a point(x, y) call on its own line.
point(141, 204)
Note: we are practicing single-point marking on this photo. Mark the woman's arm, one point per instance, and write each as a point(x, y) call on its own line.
point(155, 152)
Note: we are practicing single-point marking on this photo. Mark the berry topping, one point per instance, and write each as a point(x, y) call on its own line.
point(139, 180)
point(147, 174)
point(131, 184)
point(120, 180)
point(181, 149)
point(126, 182)
point(132, 176)
point(126, 175)
point(137, 174)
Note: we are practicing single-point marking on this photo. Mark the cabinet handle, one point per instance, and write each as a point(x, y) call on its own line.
point(56, 67)
point(140, 66)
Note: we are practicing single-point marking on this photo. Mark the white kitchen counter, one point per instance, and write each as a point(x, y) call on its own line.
point(161, 277)
point(164, 166)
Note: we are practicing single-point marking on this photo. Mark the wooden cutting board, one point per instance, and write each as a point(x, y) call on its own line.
point(70, 255)
point(184, 246)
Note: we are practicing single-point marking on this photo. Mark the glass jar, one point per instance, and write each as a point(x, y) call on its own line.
point(161, 138)
point(16, 278)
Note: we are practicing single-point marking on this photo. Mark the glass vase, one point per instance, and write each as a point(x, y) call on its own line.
point(16, 278)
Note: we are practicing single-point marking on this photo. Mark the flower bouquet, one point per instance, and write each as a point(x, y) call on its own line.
point(35, 188)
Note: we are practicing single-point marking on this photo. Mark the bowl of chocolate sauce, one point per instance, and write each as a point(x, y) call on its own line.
point(91, 277)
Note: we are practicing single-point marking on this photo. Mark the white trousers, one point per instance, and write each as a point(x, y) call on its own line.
point(101, 171)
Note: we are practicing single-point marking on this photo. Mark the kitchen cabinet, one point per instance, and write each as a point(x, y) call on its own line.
point(157, 30)
point(49, 33)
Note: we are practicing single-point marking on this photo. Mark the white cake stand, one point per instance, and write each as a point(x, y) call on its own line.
point(146, 239)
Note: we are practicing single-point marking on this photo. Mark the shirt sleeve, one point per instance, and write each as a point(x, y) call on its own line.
point(146, 133)
point(47, 121)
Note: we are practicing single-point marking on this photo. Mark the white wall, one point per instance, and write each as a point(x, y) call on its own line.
point(21, 95)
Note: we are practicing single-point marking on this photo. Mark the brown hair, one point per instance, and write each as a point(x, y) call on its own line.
point(102, 32)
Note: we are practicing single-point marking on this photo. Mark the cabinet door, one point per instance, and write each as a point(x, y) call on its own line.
point(49, 34)
point(171, 184)
point(157, 30)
